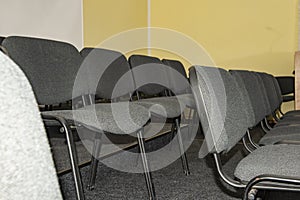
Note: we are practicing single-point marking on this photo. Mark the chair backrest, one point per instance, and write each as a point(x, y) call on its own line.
point(51, 66)
point(179, 84)
point(109, 73)
point(278, 90)
point(271, 93)
point(149, 74)
point(250, 82)
point(26, 165)
point(253, 121)
point(1, 39)
point(286, 84)
point(220, 106)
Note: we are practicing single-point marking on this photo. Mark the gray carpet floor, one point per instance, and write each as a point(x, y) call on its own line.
point(170, 182)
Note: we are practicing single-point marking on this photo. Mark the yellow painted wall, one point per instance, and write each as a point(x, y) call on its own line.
point(252, 34)
point(239, 34)
point(104, 18)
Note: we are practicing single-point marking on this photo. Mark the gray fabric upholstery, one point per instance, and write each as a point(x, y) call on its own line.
point(251, 84)
point(188, 100)
point(238, 75)
point(169, 107)
point(270, 90)
point(220, 106)
point(177, 65)
point(1, 40)
point(282, 160)
point(292, 112)
point(50, 66)
point(265, 101)
point(177, 76)
point(117, 118)
point(277, 89)
point(149, 74)
point(281, 133)
point(289, 120)
point(109, 73)
point(26, 165)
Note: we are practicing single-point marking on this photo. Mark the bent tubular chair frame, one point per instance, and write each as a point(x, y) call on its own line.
point(72, 154)
point(262, 182)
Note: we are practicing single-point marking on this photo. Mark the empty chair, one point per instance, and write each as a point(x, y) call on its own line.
point(27, 168)
point(52, 68)
point(254, 89)
point(150, 79)
point(111, 79)
point(221, 108)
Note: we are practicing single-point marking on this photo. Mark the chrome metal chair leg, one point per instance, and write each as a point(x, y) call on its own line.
point(73, 155)
point(147, 172)
point(94, 163)
point(181, 148)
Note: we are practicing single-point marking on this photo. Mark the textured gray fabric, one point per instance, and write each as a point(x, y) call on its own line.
point(282, 160)
point(117, 118)
point(177, 65)
point(249, 108)
point(169, 107)
point(265, 102)
point(105, 69)
point(149, 74)
point(254, 91)
point(292, 112)
point(26, 165)
point(177, 77)
point(289, 120)
point(50, 66)
point(277, 89)
point(271, 93)
point(188, 100)
point(280, 133)
point(224, 118)
point(1, 40)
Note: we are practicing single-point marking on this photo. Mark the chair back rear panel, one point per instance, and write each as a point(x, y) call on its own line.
point(109, 73)
point(177, 76)
point(149, 74)
point(50, 66)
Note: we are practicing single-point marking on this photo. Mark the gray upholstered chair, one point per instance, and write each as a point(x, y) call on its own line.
point(52, 68)
point(112, 81)
point(181, 88)
point(27, 168)
point(151, 79)
point(223, 114)
point(254, 90)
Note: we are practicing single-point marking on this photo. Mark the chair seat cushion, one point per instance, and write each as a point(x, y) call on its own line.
point(117, 118)
point(188, 99)
point(292, 112)
point(282, 160)
point(281, 133)
point(169, 107)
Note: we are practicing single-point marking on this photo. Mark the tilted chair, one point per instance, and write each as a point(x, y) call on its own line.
point(52, 68)
point(221, 108)
point(27, 168)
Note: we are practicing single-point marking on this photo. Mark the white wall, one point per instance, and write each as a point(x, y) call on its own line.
point(52, 19)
